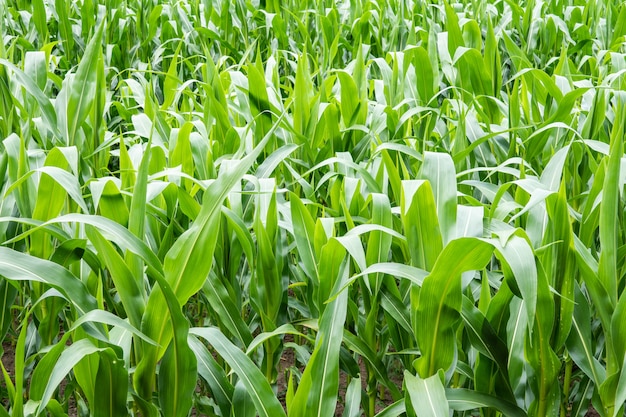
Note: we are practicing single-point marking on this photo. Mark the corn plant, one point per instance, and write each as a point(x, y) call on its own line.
point(312, 208)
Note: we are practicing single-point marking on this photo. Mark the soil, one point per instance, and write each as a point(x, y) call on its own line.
point(287, 360)
point(592, 412)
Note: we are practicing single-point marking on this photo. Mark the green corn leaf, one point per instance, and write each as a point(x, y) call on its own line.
point(540, 354)
point(66, 361)
point(115, 233)
point(46, 107)
point(259, 101)
point(39, 15)
point(131, 295)
point(64, 180)
point(455, 36)
point(284, 329)
point(105, 317)
point(257, 386)
point(51, 195)
point(519, 267)
point(304, 228)
point(137, 211)
point(427, 397)
point(607, 272)
point(359, 346)
point(460, 399)
point(224, 305)
point(483, 336)
point(379, 243)
point(242, 403)
point(65, 27)
point(214, 375)
point(44, 368)
point(80, 98)
point(111, 203)
point(18, 166)
point(187, 264)
point(329, 267)
point(425, 77)
point(440, 300)
point(421, 225)
point(35, 68)
point(112, 387)
point(579, 340)
point(439, 169)
point(394, 410)
point(171, 82)
point(350, 103)
point(317, 392)
point(304, 96)
point(353, 399)
point(21, 267)
point(178, 370)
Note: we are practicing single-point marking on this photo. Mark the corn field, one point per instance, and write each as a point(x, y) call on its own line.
point(378, 208)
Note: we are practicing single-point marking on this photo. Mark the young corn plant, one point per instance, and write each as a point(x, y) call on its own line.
point(312, 208)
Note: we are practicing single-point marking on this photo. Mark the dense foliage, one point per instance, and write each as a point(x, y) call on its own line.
point(312, 208)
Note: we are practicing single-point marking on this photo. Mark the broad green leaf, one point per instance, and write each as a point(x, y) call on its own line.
point(303, 228)
point(111, 203)
point(105, 317)
point(66, 361)
point(329, 267)
point(65, 180)
point(39, 15)
point(394, 410)
point(438, 168)
point(460, 399)
point(379, 243)
point(21, 267)
point(439, 305)
point(540, 354)
point(112, 386)
point(421, 224)
point(360, 346)
point(178, 370)
point(115, 233)
point(171, 82)
point(35, 67)
point(579, 341)
point(284, 329)
point(427, 397)
point(455, 36)
point(353, 399)
point(137, 212)
point(483, 336)
point(242, 403)
point(607, 272)
point(257, 386)
point(131, 295)
point(519, 268)
point(303, 98)
point(318, 388)
point(259, 101)
point(424, 75)
point(80, 97)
